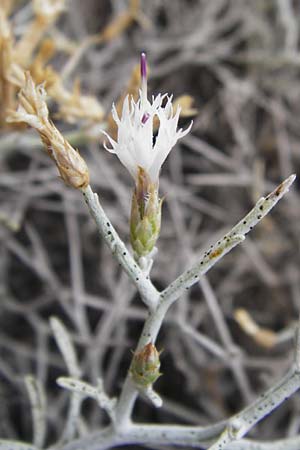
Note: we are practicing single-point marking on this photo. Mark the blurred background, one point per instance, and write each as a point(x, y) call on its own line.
point(237, 64)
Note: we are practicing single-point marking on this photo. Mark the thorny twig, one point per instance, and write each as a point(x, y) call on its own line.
point(175, 289)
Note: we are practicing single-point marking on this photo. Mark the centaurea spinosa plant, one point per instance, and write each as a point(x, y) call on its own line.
point(143, 158)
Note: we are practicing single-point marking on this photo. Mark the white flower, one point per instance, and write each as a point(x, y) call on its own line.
point(135, 146)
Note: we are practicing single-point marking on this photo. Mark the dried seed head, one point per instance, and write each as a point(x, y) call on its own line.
point(145, 366)
point(33, 111)
point(72, 167)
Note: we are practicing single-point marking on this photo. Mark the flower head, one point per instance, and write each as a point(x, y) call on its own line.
point(145, 218)
point(145, 366)
point(143, 158)
point(135, 146)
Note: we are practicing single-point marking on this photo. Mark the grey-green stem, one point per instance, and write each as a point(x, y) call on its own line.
point(148, 292)
point(188, 279)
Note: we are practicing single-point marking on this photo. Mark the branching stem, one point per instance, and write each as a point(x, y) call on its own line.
point(149, 293)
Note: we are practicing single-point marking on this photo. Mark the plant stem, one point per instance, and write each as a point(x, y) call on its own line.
point(242, 422)
point(187, 279)
point(226, 243)
point(149, 293)
point(159, 303)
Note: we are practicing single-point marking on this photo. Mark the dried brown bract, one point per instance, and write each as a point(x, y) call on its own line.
point(33, 110)
point(262, 336)
point(6, 57)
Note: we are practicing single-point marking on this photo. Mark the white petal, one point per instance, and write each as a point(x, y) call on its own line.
point(127, 160)
point(134, 146)
point(112, 142)
point(125, 109)
point(162, 148)
point(165, 141)
point(168, 109)
point(182, 133)
point(115, 115)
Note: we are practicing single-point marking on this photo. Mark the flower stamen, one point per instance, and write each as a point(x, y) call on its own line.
point(143, 78)
point(145, 118)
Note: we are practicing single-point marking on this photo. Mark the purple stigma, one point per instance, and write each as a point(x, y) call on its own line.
point(145, 118)
point(143, 66)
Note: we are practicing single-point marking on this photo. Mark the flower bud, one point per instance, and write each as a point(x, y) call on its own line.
point(145, 217)
point(145, 366)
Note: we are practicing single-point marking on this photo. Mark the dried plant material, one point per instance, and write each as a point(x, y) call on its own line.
point(133, 85)
point(14, 58)
point(33, 111)
point(138, 15)
point(185, 102)
point(40, 71)
point(45, 52)
point(8, 221)
point(262, 336)
point(16, 75)
point(74, 106)
point(7, 90)
point(122, 22)
point(115, 28)
point(7, 6)
point(46, 12)
point(62, 42)
point(33, 52)
point(265, 338)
